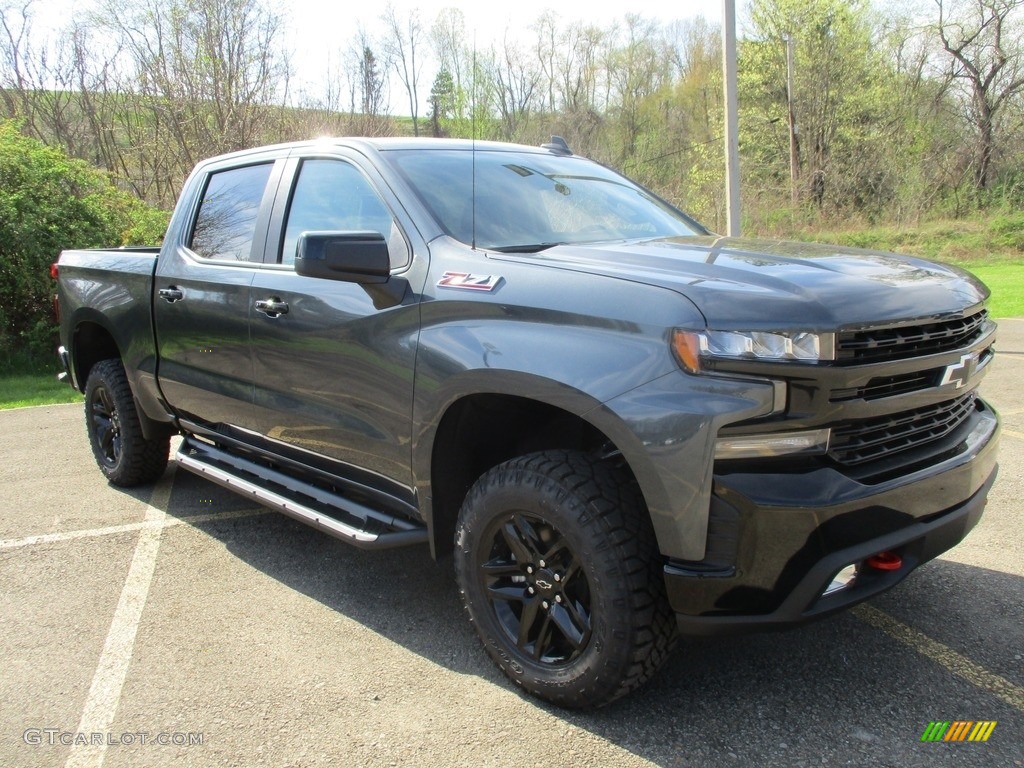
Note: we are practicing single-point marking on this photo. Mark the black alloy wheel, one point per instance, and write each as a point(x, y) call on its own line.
point(124, 454)
point(105, 423)
point(559, 571)
point(536, 588)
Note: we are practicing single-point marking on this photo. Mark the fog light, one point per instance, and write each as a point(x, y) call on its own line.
point(772, 444)
point(842, 580)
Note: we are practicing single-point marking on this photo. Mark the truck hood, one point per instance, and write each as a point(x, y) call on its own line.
point(755, 284)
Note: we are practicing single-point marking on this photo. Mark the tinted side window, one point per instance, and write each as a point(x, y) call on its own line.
point(333, 196)
point(227, 214)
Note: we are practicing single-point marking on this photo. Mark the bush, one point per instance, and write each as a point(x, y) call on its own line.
point(49, 202)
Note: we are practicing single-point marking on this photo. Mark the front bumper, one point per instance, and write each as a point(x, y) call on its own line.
point(776, 541)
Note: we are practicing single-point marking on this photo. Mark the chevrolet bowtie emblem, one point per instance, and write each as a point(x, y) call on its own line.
point(960, 373)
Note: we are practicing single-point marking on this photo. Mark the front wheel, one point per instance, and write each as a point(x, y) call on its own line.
point(558, 569)
point(123, 453)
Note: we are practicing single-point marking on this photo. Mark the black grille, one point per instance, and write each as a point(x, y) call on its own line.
point(907, 341)
point(888, 386)
point(863, 441)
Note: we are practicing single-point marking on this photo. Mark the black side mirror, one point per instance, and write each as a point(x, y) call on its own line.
point(354, 257)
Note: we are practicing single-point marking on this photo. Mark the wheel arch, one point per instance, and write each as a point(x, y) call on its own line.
point(481, 430)
point(91, 343)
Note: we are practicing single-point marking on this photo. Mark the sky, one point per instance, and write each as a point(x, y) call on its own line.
point(486, 23)
point(490, 21)
point(319, 31)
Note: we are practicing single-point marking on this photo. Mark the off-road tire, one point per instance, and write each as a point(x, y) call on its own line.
point(559, 571)
point(124, 455)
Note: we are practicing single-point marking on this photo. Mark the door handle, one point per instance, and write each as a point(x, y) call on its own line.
point(272, 307)
point(171, 294)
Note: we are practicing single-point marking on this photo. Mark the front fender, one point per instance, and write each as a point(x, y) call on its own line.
point(666, 431)
point(621, 381)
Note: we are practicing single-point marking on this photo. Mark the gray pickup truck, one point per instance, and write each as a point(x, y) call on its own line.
point(619, 425)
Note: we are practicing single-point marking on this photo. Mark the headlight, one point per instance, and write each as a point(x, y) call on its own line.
point(693, 346)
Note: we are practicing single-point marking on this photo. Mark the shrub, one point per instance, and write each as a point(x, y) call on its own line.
point(49, 202)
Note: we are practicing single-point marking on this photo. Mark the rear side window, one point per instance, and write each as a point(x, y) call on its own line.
point(226, 221)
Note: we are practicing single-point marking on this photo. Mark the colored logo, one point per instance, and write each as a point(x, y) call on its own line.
point(468, 282)
point(958, 730)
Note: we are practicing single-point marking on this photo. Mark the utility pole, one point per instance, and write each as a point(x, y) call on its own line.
point(732, 142)
point(794, 146)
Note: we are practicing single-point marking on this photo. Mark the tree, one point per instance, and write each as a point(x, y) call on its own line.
point(37, 82)
point(448, 36)
point(683, 142)
point(442, 102)
point(206, 75)
point(49, 202)
point(367, 84)
point(637, 68)
point(840, 99)
point(572, 90)
point(403, 42)
point(515, 80)
point(983, 40)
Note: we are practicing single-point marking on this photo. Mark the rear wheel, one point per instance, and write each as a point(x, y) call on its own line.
point(560, 574)
point(124, 455)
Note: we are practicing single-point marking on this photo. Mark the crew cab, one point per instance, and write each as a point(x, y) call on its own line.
point(619, 425)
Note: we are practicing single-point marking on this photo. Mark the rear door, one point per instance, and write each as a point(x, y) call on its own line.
point(333, 361)
point(202, 301)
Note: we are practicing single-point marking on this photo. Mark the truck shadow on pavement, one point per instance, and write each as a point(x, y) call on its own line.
point(836, 692)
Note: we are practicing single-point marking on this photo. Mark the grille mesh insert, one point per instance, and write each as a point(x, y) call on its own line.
point(862, 441)
point(902, 342)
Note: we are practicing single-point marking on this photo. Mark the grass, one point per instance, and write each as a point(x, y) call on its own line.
point(19, 390)
point(983, 240)
point(1006, 281)
point(992, 247)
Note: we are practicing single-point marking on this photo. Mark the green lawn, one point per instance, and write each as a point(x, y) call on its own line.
point(982, 240)
point(24, 389)
point(1006, 281)
point(990, 246)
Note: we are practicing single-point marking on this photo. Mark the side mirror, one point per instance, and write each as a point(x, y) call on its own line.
point(354, 257)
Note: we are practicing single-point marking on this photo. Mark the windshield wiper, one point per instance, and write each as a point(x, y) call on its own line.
point(531, 248)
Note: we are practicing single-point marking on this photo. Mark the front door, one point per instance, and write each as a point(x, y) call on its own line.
point(333, 370)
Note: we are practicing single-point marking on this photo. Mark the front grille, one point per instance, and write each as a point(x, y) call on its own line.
point(862, 441)
point(889, 386)
point(908, 341)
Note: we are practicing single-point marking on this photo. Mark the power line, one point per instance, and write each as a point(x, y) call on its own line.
point(674, 152)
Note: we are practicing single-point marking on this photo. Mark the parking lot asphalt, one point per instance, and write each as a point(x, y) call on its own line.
point(180, 625)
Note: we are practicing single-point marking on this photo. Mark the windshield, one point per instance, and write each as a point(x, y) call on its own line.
point(530, 201)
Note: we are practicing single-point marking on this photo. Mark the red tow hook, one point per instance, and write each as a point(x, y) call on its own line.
point(885, 561)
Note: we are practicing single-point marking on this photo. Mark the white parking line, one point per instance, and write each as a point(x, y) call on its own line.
point(166, 522)
point(955, 662)
point(105, 692)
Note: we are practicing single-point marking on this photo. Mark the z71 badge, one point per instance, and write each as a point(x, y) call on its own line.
point(468, 282)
